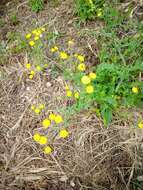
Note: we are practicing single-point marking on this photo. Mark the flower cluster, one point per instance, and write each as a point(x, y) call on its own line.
point(35, 35)
point(52, 119)
point(70, 93)
point(38, 109)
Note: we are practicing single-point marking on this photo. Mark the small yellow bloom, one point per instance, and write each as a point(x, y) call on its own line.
point(38, 68)
point(64, 133)
point(135, 90)
point(46, 65)
point(43, 29)
point(41, 106)
point(37, 111)
point(80, 58)
point(31, 76)
point(28, 65)
point(38, 32)
point(99, 12)
point(31, 43)
point(47, 150)
point(43, 140)
point(90, 89)
point(46, 123)
point(54, 49)
point(69, 93)
point(32, 107)
point(81, 67)
point(58, 119)
point(140, 125)
point(52, 116)
point(85, 80)
point(36, 38)
point(67, 87)
point(63, 55)
point(92, 76)
point(75, 55)
point(76, 95)
point(27, 36)
point(36, 137)
point(32, 72)
point(70, 42)
point(34, 31)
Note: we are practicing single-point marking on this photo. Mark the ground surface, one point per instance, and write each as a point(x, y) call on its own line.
point(92, 157)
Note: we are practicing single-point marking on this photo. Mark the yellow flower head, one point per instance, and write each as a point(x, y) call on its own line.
point(34, 31)
point(52, 116)
point(54, 49)
point(31, 43)
point(47, 150)
point(27, 36)
point(36, 38)
point(43, 29)
point(43, 140)
point(80, 58)
point(92, 76)
point(58, 119)
point(63, 55)
point(76, 95)
point(140, 125)
point(28, 65)
point(64, 133)
point(81, 67)
point(90, 89)
point(70, 42)
point(31, 76)
point(69, 93)
point(37, 111)
point(36, 137)
point(38, 68)
point(46, 123)
point(32, 107)
point(135, 90)
point(41, 106)
point(32, 72)
point(85, 80)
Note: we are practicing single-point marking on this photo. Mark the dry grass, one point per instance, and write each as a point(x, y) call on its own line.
point(91, 158)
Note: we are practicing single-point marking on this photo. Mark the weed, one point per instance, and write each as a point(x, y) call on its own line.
point(36, 5)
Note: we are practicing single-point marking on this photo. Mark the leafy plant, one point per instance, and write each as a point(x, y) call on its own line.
point(36, 5)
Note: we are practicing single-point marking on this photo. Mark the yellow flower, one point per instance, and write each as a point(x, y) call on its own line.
point(43, 29)
point(67, 87)
point(31, 43)
point(52, 116)
point(46, 123)
point(43, 140)
point(58, 119)
point(90, 89)
point(69, 93)
point(41, 106)
point(38, 32)
point(37, 111)
point(54, 49)
point(70, 42)
point(36, 137)
point(38, 68)
point(99, 12)
point(92, 76)
point(64, 133)
point(36, 38)
point(28, 65)
point(27, 36)
point(81, 67)
point(76, 95)
point(85, 80)
point(32, 107)
point(140, 125)
point(47, 150)
point(34, 31)
point(31, 76)
point(80, 58)
point(135, 90)
point(63, 55)
point(32, 72)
